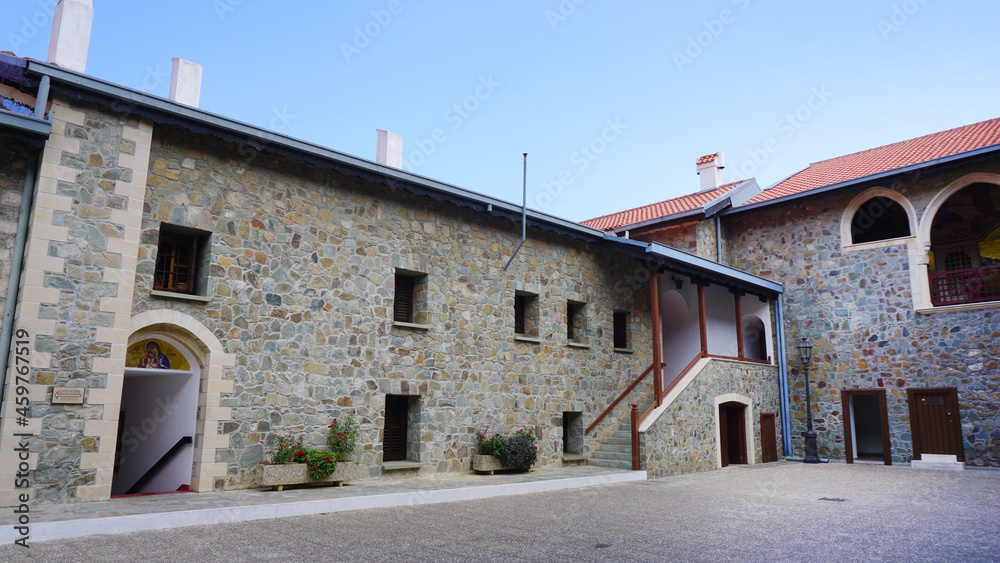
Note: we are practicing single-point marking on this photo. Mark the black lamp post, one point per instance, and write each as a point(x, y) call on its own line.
point(805, 354)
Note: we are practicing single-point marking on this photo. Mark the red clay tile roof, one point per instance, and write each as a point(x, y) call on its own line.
point(707, 158)
point(888, 157)
point(662, 209)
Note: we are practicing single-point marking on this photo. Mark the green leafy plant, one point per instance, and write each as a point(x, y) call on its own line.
point(489, 445)
point(284, 450)
point(287, 449)
point(343, 437)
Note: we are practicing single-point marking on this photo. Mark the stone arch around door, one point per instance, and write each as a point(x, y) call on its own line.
point(212, 360)
point(748, 424)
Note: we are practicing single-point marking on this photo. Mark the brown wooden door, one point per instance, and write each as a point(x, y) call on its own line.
point(935, 422)
point(732, 434)
point(394, 433)
point(724, 434)
point(768, 438)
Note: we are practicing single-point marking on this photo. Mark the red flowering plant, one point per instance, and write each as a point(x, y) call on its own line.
point(287, 449)
point(489, 445)
point(343, 437)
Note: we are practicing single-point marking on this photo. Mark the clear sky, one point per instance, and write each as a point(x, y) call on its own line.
point(613, 101)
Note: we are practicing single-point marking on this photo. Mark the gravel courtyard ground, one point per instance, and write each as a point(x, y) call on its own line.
point(775, 512)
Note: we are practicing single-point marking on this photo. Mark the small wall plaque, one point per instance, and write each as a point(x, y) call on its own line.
point(67, 395)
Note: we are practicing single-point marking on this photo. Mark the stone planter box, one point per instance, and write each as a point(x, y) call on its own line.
point(486, 464)
point(277, 476)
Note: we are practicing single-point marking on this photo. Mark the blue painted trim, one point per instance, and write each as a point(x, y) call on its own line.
point(786, 420)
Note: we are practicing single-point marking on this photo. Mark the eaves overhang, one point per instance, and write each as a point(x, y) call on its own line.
point(664, 257)
point(871, 178)
point(25, 126)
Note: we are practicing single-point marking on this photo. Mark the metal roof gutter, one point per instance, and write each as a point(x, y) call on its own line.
point(671, 257)
point(983, 151)
point(25, 125)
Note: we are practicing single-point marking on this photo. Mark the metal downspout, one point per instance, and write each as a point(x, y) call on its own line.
point(17, 260)
point(718, 239)
point(786, 421)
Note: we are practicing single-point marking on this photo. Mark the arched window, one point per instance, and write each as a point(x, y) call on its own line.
point(964, 258)
point(879, 218)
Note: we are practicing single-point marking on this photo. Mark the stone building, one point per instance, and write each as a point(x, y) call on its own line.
point(890, 260)
point(183, 289)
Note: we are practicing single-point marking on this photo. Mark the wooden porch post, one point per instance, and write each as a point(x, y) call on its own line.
point(654, 300)
point(739, 325)
point(634, 416)
point(701, 318)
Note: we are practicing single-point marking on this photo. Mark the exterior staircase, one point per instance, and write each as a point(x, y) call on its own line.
point(616, 451)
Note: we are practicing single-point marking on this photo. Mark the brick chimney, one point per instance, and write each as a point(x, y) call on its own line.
point(710, 170)
point(185, 82)
point(389, 151)
point(70, 38)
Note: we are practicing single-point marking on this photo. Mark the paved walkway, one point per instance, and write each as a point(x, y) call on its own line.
point(157, 512)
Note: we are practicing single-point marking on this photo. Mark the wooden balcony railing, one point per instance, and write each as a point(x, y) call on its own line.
point(972, 285)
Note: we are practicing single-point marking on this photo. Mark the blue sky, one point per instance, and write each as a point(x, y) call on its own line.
point(613, 101)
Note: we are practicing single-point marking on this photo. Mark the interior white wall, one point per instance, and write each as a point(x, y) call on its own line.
point(159, 408)
point(751, 305)
point(720, 321)
point(681, 330)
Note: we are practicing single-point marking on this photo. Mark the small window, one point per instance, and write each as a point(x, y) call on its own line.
point(879, 218)
point(573, 433)
point(409, 298)
point(621, 330)
point(576, 322)
point(526, 314)
point(957, 261)
point(180, 254)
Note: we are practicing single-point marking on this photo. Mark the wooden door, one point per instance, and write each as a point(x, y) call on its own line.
point(768, 438)
point(935, 422)
point(732, 434)
point(850, 418)
point(724, 434)
point(394, 434)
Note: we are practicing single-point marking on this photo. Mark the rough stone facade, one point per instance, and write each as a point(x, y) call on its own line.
point(857, 309)
point(301, 276)
point(683, 439)
point(14, 158)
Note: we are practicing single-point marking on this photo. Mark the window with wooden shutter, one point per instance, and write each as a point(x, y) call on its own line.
point(402, 305)
point(621, 329)
point(397, 410)
point(179, 251)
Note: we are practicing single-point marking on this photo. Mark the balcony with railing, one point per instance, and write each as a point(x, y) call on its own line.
point(971, 285)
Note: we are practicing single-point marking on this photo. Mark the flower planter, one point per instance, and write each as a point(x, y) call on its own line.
point(277, 476)
point(486, 464)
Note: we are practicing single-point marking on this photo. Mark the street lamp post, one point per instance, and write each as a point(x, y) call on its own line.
point(805, 354)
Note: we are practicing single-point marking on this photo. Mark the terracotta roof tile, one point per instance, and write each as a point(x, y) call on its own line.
point(707, 158)
point(662, 209)
point(885, 158)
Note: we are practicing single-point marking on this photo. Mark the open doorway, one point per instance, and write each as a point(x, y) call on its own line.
point(733, 433)
point(866, 425)
point(156, 424)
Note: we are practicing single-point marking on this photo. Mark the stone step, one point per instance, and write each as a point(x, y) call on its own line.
point(610, 464)
point(616, 448)
point(618, 442)
point(611, 456)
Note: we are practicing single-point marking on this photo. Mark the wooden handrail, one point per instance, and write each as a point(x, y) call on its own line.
point(618, 400)
point(676, 380)
point(734, 358)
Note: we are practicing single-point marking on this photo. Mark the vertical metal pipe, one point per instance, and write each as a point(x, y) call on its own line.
point(718, 239)
point(42, 97)
point(14, 280)
point(786, 420)
point(524, 200)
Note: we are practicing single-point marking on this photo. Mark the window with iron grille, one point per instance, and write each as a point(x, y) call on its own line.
point(957, 261)
point(621, 330)
point(179, 254)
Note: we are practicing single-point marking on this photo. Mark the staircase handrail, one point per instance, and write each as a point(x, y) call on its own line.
point(619, 398)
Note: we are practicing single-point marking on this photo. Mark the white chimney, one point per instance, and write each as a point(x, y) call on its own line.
point(389, 151)
point(710, 169)
point(70, 37)
point(185, 82)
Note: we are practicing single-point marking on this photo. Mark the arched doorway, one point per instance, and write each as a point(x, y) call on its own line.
point(732, 433)
point(157, 419)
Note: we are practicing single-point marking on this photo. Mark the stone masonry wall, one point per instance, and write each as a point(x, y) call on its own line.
point(14, 157)
point(857, 310)
point(301, 284)
point(683, 440)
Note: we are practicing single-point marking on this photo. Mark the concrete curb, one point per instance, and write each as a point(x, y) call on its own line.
point(42, 531)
